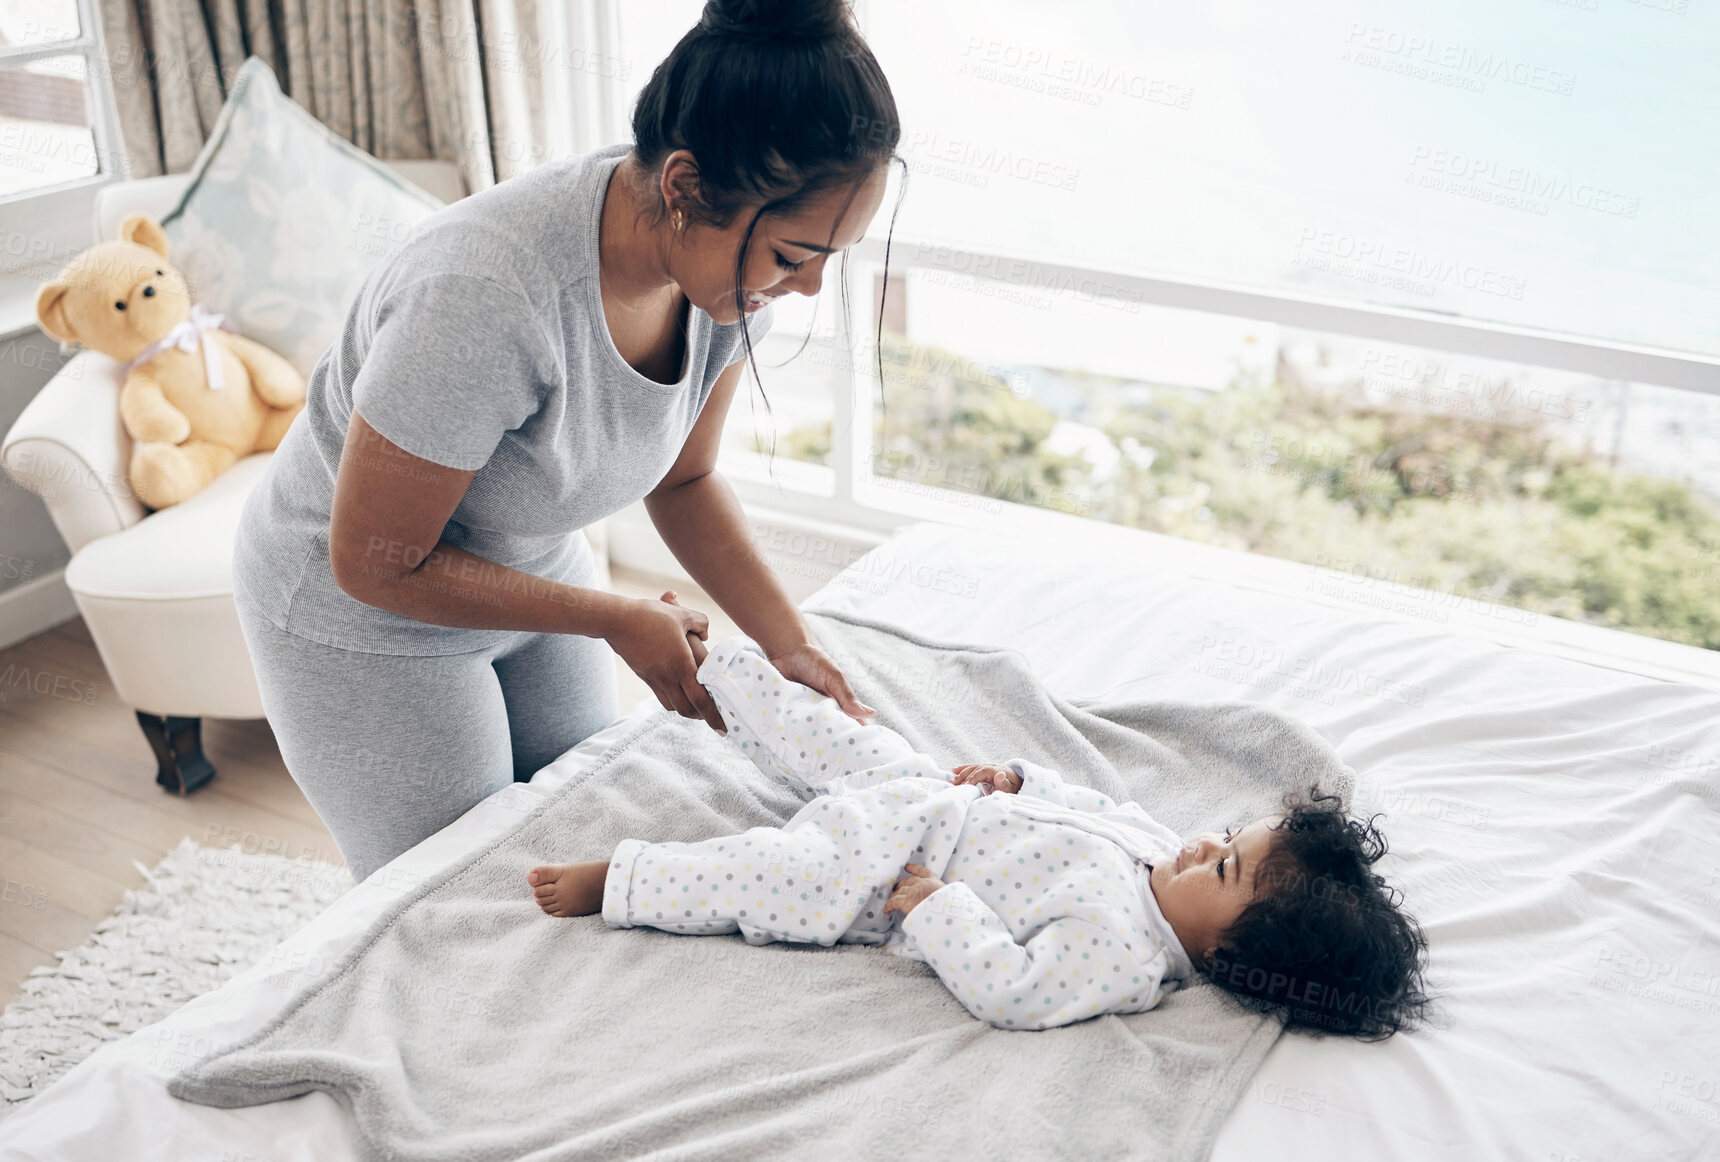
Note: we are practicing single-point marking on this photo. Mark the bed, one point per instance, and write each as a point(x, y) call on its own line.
point(1554, 827)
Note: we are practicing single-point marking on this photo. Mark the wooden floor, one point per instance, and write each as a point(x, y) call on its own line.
point(80, 810)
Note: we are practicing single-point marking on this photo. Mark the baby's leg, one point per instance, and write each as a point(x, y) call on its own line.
point(804, 884)
point(793, 733)
point(822, 878)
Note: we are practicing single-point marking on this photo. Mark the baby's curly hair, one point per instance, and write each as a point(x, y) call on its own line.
point(1324, 943)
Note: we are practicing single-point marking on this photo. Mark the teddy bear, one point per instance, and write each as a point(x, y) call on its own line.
point(196, 396)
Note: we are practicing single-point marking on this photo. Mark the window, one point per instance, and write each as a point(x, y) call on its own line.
point(58, 136)
point(1544, 165)
point(1421, 301)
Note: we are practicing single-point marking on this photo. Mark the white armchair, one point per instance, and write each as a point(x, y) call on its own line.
point(154, 588)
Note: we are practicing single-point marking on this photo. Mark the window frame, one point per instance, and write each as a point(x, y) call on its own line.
point(46, 227)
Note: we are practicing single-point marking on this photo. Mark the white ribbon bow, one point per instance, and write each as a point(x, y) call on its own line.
point(188, 336)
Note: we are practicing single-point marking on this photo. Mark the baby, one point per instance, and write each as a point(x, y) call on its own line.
point(1037, 902)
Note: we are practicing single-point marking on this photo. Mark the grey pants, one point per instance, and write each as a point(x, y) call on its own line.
point(390, 748)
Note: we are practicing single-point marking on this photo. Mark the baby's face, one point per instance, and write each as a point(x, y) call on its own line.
point(1205, 888)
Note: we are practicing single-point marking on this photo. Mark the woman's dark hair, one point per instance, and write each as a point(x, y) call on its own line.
point(778, 101)
point(1324, 944)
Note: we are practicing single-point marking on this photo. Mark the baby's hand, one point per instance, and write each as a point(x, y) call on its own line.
point(992, 778)
point(911, 889)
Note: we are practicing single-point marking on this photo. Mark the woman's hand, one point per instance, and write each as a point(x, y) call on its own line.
point(655, 639)
point(810, 666)
point(912, 889)
point(992, 778)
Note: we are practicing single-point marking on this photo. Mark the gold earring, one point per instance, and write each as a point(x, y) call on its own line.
point(680, 219)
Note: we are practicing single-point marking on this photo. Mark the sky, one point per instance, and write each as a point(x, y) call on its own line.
point(1545, 163)
point(37, 21)
point(1315, 145)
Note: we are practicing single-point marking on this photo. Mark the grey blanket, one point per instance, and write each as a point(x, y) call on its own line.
point(466, 1024)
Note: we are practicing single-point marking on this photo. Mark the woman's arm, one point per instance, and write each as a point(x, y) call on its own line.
point(386, 550)
point(702, 522)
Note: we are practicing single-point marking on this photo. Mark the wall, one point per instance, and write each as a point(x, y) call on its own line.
point(30, 546)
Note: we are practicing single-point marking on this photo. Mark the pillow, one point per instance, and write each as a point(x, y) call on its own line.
point(282, 220)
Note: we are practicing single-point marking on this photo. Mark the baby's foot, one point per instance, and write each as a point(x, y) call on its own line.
point(569, 889)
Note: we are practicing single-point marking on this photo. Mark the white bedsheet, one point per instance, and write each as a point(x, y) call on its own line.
point(1555, 827)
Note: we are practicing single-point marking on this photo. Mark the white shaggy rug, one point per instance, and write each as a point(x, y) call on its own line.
point(205, 915)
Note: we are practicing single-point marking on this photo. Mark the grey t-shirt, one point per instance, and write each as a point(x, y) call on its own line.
point(480, 344)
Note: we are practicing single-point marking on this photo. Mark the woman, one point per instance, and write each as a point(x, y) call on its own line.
point(410, 576)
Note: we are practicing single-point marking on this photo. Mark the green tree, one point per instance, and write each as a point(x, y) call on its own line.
point(1498, 511)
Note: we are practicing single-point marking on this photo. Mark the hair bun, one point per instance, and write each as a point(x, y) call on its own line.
point(776, 20)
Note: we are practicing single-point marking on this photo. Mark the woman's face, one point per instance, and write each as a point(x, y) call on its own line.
point(787, 251)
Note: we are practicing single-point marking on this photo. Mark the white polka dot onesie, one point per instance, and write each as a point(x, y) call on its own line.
point(1047, 916)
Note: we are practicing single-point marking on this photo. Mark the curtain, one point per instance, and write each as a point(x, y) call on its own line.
point(455, 80)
